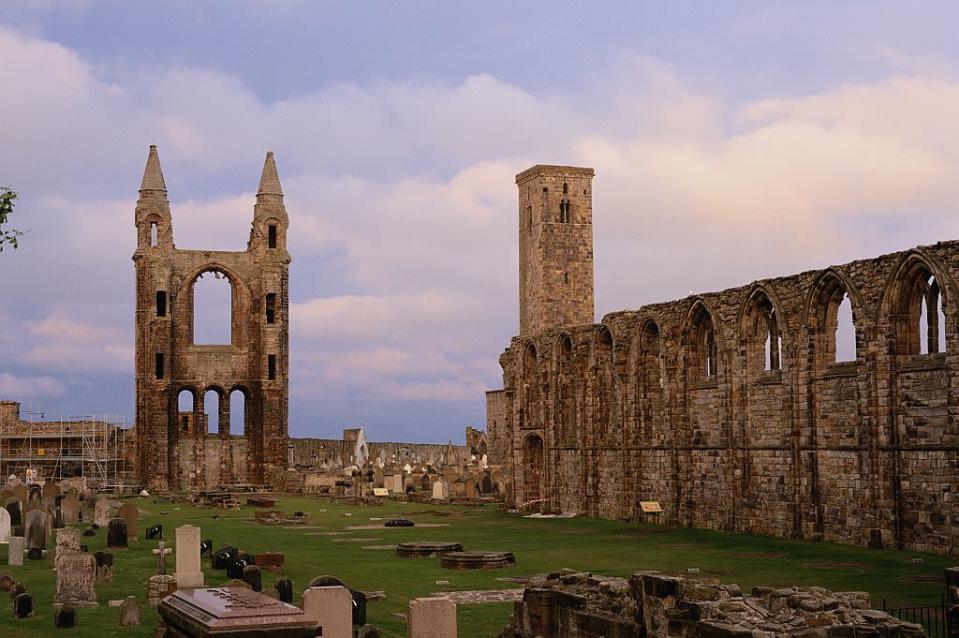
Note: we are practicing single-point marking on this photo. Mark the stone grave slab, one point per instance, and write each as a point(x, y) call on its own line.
point(224, 611)
point(4, 526)
point(131, 514)
point(189, 573)
point(16, 548)
point(76, 578)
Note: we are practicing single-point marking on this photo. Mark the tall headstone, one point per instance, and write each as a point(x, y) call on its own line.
point(117, 534)
point(130, 513)
point(101, 511)
point(76, 578)
point(441, 491)
point(332, 607)
point(4, 526)
point(431, 618)
point(189, 574)
point(35, 529)
point(70, 505)
point(15, 550)
point(50, 493)
point(68, 542)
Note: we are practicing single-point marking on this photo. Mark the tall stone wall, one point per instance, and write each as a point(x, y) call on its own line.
point(731, 409)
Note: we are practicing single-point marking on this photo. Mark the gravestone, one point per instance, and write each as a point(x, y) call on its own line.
point(13, 509)
point(253, 577)
point(189, 573)
point(17, 589)
point(23, 606)
point(35, 529)
point(50, 493)
point(284, 590)
point(130, 513)
point(223, 558)
point(235, 570)
point(332, 607)
point(68, 542)
point(34, 553)
point(76, 578)
point(130, 613)
point(368, 631)
point(6, 581)
point(161, 552)
point(206, 548)
point(17, 544)
point(58, 522)
point(155, 532)
point(431, 618)
point(89, 532)
point(101, 511)
point(225, 612)
point(70, 506)
point(104, 563)
point(441, 491)
point(65, 618)
point(117, 534)
point(4, 526)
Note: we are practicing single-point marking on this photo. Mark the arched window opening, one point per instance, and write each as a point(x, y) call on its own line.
point(565, 188)
point(533, 458)
point(154, 234)
point(185, 411)
point(271, 367)
point(762, 334)
point(845, 331)
point(212, 309)
point(932, 318)
point(161, 303)
point(530, 386)
point(702, 345)
point(271, 307)
point(160, 368)
point(211, 411)
point(237, 412)
point(271, 230)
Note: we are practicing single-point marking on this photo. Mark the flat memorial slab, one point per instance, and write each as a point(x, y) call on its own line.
point(235, 612)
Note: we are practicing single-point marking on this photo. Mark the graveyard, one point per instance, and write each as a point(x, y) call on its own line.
point(352, 542)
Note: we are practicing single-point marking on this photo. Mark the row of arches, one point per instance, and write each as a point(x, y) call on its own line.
point(915, 313)
point(225, 413)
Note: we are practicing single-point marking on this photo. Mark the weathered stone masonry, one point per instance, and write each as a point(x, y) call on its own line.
point(730, 408)
point(173, 448)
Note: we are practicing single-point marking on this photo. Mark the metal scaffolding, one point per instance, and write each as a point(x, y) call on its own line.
point(84, 446)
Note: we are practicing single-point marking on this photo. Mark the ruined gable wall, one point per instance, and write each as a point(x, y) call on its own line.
point(850, 451)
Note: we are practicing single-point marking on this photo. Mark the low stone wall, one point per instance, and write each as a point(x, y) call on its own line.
point(654, 605)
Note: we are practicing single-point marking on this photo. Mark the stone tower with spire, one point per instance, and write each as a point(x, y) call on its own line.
point(174, 449)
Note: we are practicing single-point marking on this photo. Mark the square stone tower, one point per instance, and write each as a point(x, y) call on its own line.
point(555, 247)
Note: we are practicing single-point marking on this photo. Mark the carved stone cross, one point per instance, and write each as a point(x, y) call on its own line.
point(161, 552)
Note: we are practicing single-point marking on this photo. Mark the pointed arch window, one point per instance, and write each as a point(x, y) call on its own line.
point(921, 320)
point(833, 322)
point(702, 349)
point(762, 334)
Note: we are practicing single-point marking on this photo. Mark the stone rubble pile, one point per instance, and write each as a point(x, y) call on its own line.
point(655, 605)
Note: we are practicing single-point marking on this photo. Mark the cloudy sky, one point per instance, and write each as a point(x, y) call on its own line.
point(730, 144)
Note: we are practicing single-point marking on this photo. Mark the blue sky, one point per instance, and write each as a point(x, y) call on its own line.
point(732, 141)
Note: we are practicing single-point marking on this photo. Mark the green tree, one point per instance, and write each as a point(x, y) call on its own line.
point(8, 236)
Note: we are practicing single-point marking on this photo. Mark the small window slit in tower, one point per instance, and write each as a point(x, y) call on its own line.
point(272, 235)
point(270, 307)
point(161, 303)
point(159, 365)
point(271, 367)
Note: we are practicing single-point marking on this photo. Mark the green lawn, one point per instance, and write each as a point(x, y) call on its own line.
point(605, 547)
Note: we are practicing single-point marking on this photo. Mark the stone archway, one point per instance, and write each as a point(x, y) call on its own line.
point(533, 470)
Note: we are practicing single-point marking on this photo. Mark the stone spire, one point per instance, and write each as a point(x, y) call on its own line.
point(269, 180)
point(153, 174)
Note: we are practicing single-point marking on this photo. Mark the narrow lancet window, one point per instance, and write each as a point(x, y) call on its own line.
point(159, 366)
point(161, 303)
point(271, 307)
point(271, 367)
point(272, 235)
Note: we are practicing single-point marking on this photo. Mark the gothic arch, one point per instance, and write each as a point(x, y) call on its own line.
point(761, 326)
point(916, 279)
point(702, 339)
point(822, 306)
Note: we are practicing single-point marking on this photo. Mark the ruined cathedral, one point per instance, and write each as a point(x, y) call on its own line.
point(174, 450)
point(732, 410)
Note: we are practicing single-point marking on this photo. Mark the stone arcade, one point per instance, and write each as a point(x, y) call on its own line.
point(173, 449)
point(730, 408)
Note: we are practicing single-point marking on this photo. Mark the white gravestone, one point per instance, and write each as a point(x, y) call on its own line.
point(332, 607)
point(189, 574)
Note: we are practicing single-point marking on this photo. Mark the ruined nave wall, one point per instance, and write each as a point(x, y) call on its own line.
point(686, 403)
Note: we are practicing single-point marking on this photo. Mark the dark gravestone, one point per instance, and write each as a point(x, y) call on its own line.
point(104, 559)
point(251, 575)
point(235, 570)
point(284, 590)
point(224, 557)
point(398, 522)
point(23, 606)
point(34, 553)
point(13, 509)
point(65, 618)
point(16, 590)
point(94, 526)
point(35, 525)
point(206, 548)
point(117, 534)
point(16, 530)
point(89, 532)
point(155, 532)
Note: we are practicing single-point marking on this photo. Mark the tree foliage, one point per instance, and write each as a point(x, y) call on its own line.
point(8, 236)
